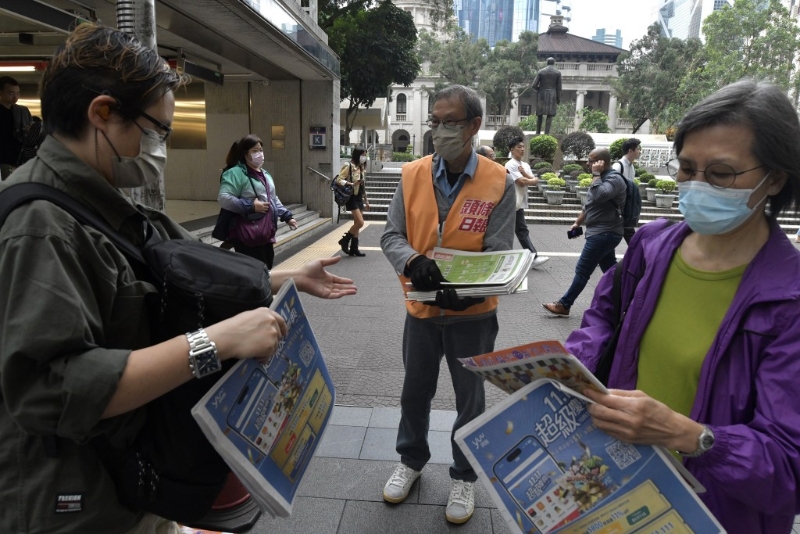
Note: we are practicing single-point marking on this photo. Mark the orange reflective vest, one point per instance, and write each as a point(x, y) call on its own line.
point(464, 227)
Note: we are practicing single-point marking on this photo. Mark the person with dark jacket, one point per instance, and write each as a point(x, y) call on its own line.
point(14, 123)
point(77, 359)
point(602, 215)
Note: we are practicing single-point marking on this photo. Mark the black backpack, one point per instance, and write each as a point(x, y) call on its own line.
point(170, 469)
point(341, 193)
point(633, 202)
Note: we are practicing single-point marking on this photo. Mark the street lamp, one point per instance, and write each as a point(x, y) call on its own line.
point(413, 143)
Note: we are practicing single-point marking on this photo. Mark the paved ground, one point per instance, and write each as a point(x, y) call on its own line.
point(361, 338)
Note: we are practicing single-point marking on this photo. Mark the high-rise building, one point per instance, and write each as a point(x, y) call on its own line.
point(526, 17)
point(611, 39)
point(491, 19)
point(683, 19)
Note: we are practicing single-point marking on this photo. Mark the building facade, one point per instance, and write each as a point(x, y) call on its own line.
point(683, 19)
point(585, 66)
point(612, 39)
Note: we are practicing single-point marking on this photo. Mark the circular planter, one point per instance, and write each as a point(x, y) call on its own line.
point(651, 193)
point(555, 198)
point(642, 190)
point(542, 185)
point(582, 196)
point(572, 184)
point(664, 201)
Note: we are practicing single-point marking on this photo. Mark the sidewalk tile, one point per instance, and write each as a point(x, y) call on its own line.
point(369, 517)
point(442, 420)
point(436, 489)
point(309, 514)
point(342, 441)
point(357, 480)
point(379, 444)
point(350, 416)
point(385, 418)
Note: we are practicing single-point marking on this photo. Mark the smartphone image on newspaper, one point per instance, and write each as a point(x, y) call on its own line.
point(532, 477)
point(258, 421)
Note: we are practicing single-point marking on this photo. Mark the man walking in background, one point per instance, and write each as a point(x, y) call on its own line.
point(523, 177)
point(453, 199)
point(602, 214)
point(632, 149)
point(14, 123)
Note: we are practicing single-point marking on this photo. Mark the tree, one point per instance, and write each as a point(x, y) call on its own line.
point(650, 74)
point(594, 120)
point(329, 11)
point(457, 58)
point(750, 39)
point(510, 67)
point(377, 50)
point(578, 144)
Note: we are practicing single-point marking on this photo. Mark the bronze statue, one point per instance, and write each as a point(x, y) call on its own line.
point(548, 87)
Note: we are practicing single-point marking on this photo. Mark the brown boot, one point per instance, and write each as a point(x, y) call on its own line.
point(354, 248)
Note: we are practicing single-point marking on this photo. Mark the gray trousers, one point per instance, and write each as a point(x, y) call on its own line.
point(424, 344)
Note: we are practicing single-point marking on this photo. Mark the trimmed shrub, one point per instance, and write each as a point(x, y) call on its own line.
point(503, 137)
point(543, 170)
point(543, 146)
point(574, 174)
point(578, 144)
point(571, 167)
point(666, 186)
point(651, 183)
point(402, 156)
point(616, 149)
point(547, 176)
point(584, 180)
point(542, 164)
point(636, 181)
point(556, 183)
point(640, 171)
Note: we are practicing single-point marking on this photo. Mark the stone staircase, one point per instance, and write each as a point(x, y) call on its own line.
point(309, 224)
point(381, 187)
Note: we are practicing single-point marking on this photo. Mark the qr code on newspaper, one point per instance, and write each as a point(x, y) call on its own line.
point(623, 454)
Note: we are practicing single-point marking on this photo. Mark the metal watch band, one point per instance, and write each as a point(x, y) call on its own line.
point(203, 359)
point(704, 443)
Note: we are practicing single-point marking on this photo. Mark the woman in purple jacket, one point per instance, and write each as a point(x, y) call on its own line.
point(708, 360)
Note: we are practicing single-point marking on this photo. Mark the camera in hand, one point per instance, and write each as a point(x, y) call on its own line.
point(572, 233)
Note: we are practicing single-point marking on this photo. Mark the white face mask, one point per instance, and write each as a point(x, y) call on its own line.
point(256, 159)
point(362, 159)
point(448, 143)
point(144, 169)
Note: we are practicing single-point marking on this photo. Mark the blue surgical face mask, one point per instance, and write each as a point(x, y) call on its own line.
point(712, 211)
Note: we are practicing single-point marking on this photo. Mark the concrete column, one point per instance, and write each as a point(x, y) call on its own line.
point(579, 106)
point(612, 112)
point(514, 118)
point(417, 113)
point(483, 119)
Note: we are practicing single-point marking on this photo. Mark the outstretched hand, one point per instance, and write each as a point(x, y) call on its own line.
point(312, 278)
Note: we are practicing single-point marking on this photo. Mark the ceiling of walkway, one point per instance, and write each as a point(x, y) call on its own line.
point(237, 45)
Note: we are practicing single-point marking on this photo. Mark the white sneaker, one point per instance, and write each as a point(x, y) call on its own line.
point(538, 260)
point(399, 484)
point(461, 504)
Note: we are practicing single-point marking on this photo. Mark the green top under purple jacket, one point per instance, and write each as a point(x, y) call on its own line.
point(749, 385)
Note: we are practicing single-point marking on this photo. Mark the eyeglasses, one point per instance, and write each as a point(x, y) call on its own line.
point(449, 124)
point(717, 175)
point(161, 126)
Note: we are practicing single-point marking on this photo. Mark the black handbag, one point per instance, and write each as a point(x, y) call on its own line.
point(341, 193)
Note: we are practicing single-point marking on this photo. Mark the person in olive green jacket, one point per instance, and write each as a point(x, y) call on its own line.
point(76, 360)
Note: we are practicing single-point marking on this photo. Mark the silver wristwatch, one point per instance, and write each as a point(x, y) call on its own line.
point(704, 443)
point(203, 359)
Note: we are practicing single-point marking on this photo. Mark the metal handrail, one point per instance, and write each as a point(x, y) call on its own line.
point(315, 171)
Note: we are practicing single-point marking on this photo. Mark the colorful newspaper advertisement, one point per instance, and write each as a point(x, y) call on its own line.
point(466, 268)
point(549, 469)
point(266, 420)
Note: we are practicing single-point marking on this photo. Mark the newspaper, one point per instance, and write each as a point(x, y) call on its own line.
point(266, 420)
point(479, 274)
point(549, 469)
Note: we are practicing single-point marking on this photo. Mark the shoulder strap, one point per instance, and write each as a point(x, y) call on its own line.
point(621, 167)
point(19, 194)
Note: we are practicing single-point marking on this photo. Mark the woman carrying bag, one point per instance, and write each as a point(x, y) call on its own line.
point(250, 207)
point(353, 174)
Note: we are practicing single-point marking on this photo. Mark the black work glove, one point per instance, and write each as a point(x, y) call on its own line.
point(448, 299)
point(425, 274)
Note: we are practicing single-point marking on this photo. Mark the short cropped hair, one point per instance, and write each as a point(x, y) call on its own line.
point(238, 152)
point(514, 141)
point(630, 144)
point(7, 80)
point(98, 60)
point(468, 97)
point(767, 111)
point(601, 154)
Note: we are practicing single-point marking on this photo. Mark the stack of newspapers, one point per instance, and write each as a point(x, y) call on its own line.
point(479, 274)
